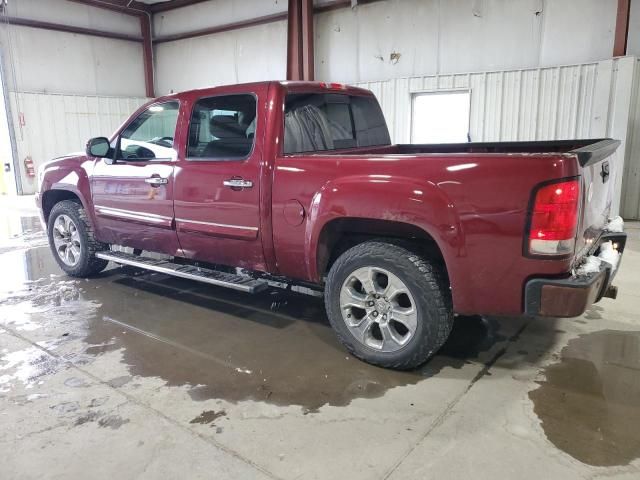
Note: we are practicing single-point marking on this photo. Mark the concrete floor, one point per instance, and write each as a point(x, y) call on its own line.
point(137, 375)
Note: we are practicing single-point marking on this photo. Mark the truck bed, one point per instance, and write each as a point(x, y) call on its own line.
point(588, 151)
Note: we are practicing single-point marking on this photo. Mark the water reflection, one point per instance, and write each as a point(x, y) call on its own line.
point(589, 401)
point(275, 347)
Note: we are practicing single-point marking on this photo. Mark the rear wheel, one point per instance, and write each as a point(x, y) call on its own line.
point(388, 306)
point(72, 240)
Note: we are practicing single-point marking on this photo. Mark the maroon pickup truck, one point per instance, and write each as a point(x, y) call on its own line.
point(298, 183)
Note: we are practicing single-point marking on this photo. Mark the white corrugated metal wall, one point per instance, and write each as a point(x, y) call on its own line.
point(631, 178)
point(575, 101)
point(49, 125)
point(589, 100)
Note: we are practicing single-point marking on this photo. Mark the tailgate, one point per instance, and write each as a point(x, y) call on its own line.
point(599, 168)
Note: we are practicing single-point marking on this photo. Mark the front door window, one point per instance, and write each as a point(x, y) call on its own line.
point(151, 135)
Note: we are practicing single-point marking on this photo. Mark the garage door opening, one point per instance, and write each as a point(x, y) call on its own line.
point(8, 182)
point(440, 117)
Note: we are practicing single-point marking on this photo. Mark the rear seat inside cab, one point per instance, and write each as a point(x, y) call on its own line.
point(231, 138)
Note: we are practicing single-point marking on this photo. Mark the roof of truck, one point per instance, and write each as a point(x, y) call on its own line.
point(289, 84)
point(336, 86)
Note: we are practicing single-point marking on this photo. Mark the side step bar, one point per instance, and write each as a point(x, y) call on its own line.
point(206, 275)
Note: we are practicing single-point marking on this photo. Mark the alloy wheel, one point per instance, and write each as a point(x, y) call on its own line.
point(66, 240)
point(378, 309)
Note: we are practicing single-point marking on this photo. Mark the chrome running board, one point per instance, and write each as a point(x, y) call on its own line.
point(190, 272)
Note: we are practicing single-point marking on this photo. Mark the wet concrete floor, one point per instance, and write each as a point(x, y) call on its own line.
point(275, 347)
point(589, 401)
point(262, 380)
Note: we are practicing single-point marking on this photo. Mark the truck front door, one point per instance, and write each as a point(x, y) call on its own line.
point(217, 180)
point(133, 193)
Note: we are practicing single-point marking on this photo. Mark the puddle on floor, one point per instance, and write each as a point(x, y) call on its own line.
point(275, 347)
point(589, 402)
point(208, 417)
point(20, 231)
point(27, 366)
point(230, 346)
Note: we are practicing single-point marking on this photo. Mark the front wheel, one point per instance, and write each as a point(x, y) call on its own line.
point(72, 240)
point(387, 305)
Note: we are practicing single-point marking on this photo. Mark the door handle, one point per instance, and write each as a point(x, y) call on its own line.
point(238, 183)
point(605, 172)
point(156, 181)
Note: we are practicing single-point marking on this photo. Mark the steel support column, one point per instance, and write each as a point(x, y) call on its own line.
point(147, 54)
point(622, 28)
point(307, 40)
point(294, 40)
point(300, 55)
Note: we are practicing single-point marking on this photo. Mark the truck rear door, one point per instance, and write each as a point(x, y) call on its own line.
point(133, 194)
point(217, 182)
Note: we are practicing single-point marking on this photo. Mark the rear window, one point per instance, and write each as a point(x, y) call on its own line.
point(316, 122)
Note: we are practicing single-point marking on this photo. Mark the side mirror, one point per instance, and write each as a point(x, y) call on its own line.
point(98, 147)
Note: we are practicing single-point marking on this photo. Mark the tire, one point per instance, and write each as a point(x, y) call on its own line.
point(79, 239)
point(416, 323)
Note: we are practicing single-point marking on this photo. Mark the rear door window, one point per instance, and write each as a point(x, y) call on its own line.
point(329, 121)
point(222, 128)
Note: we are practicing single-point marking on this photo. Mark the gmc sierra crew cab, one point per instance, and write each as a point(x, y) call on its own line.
point(298, 183)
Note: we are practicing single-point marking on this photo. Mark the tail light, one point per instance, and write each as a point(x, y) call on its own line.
point(554, 218)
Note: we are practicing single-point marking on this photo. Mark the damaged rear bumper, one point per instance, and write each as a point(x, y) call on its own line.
point(571, 296)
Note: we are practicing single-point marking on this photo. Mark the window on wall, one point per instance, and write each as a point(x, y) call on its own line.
point(440, 117)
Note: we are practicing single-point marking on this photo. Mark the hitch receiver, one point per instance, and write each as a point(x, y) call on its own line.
point(611, 292)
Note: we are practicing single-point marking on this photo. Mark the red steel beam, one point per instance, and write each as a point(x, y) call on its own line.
point(172, 5)
point(121, 6)
point(276, 17)
point(222, 28)
point(294, 40)
point(622, 28)
point(336, 4)
point(147, 54)
point(26, 22)
point(135, 7)
point(308, 57)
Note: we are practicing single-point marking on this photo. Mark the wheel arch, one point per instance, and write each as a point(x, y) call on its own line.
point(357, 208)
point(340, 234)
point(57, 195)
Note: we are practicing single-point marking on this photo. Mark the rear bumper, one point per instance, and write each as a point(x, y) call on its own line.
point(570, 297)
